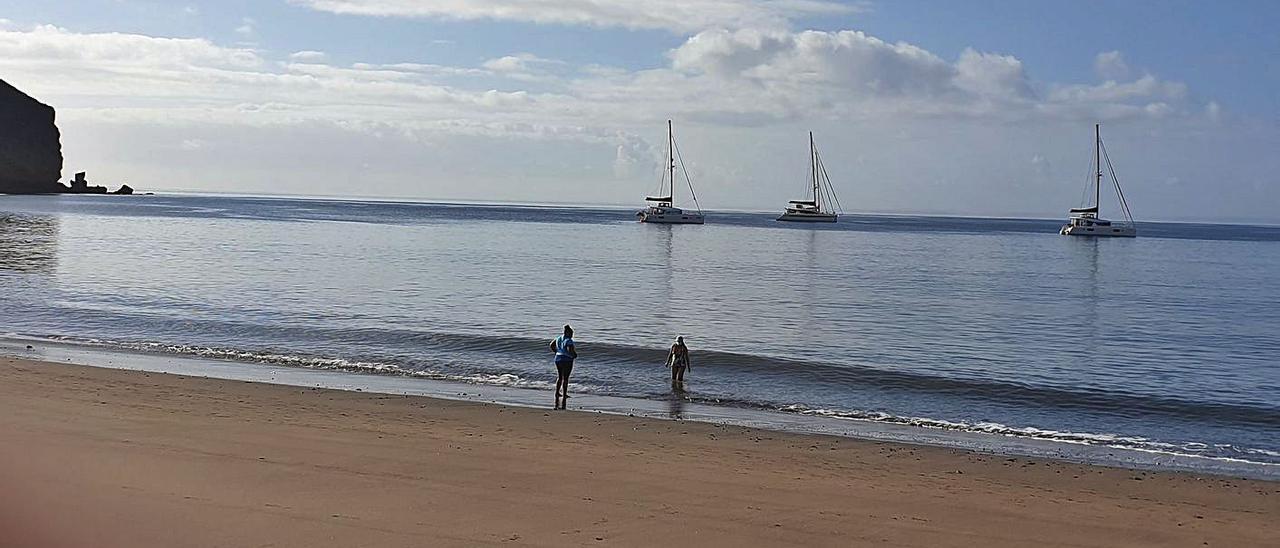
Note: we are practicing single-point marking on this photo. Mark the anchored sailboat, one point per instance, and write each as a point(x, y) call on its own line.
point(662, 209)
point(816, 208)
point(1086, 221)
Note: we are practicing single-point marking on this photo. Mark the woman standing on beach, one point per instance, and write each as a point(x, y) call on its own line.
point(565, 354)
point(678, 361)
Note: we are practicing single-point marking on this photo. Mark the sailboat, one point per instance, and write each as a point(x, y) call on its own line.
point(662, 207)
point(1087, 221)
point(815, 209)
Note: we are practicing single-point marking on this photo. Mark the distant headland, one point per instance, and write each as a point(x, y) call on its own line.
point(31, 149)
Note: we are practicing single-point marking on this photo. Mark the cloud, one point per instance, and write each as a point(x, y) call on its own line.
point(1041, 167)
point(717, 77)
point(190, 94)
point(854, 75)
point(633, 156)
point(1147, 87)
point(859, 63)
point(1110, 65)
point(992, 76)
point(520, 62)
point(142, 79)
point(308, 56)
point(855, 63)
point(50, 47)
point(246, 27)
point(673, 15)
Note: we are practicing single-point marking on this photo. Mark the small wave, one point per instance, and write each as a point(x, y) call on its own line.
point(831, 374)
point(515, 381)
point(1187, 449)
point(328, 363)
point(1117, 402)
point(1222, 452)
point(311, 362)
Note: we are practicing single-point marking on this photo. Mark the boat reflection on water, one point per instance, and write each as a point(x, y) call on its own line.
point(28, 243)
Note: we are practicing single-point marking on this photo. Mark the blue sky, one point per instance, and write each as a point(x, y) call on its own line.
point(977, 108)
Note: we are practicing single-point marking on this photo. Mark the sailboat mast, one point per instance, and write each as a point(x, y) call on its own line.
point(1097, 183)
point(671, 157)
point(813, 173)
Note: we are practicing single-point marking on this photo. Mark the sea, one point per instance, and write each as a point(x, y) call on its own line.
point(999, 329)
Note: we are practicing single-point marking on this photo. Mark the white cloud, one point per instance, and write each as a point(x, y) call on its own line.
point(51, 48)
point(437, 71)
point(720, 77)
point(1041, 169)
point(853, 61)
point(675, 15)
point(992, 75)
point(854, 75)
point(1110, 65)
point(246, 27)
point(913, 107)
point(520, 62)
point(308, 56)
point(634, 157)
point(1144, 88)
point(126, 77)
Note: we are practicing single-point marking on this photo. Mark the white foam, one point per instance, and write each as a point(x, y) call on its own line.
point(313, 362)
point(1118, 441)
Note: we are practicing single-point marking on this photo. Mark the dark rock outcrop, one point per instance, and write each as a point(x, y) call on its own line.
point(124, 189)
point(80, 185)
point(30, 149)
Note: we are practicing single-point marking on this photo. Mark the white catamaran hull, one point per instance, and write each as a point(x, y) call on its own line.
point(670, 218)
point(808, 217)
point(1117, 231)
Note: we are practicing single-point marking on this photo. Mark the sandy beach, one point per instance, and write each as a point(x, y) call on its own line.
point(97, 457)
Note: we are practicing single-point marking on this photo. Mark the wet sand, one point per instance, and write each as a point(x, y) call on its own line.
point(98, 457)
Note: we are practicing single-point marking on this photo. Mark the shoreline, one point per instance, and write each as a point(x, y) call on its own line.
point(142, 458)
point(789, 421)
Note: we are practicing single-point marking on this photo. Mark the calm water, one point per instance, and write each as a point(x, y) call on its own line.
point(1167, 342)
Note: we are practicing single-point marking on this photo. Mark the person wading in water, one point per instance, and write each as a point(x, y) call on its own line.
point(678, 361)
point(565, 354)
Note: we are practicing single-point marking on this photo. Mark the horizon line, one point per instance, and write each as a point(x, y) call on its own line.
point(622, 206)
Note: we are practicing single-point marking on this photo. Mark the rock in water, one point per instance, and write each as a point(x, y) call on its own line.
point(30, 150)
point(124, 189)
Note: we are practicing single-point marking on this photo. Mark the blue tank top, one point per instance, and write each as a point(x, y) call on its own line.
point(562, 348)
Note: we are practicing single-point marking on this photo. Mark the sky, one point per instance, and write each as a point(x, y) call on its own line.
point(937, 107)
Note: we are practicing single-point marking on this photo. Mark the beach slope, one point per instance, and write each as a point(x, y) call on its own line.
point(99, 457)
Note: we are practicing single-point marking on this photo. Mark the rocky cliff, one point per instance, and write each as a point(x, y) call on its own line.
point(30, 150)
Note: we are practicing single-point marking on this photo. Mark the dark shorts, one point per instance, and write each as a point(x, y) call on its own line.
point(564, 367)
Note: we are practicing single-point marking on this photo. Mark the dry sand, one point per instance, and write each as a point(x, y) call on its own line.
point(98, 457)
